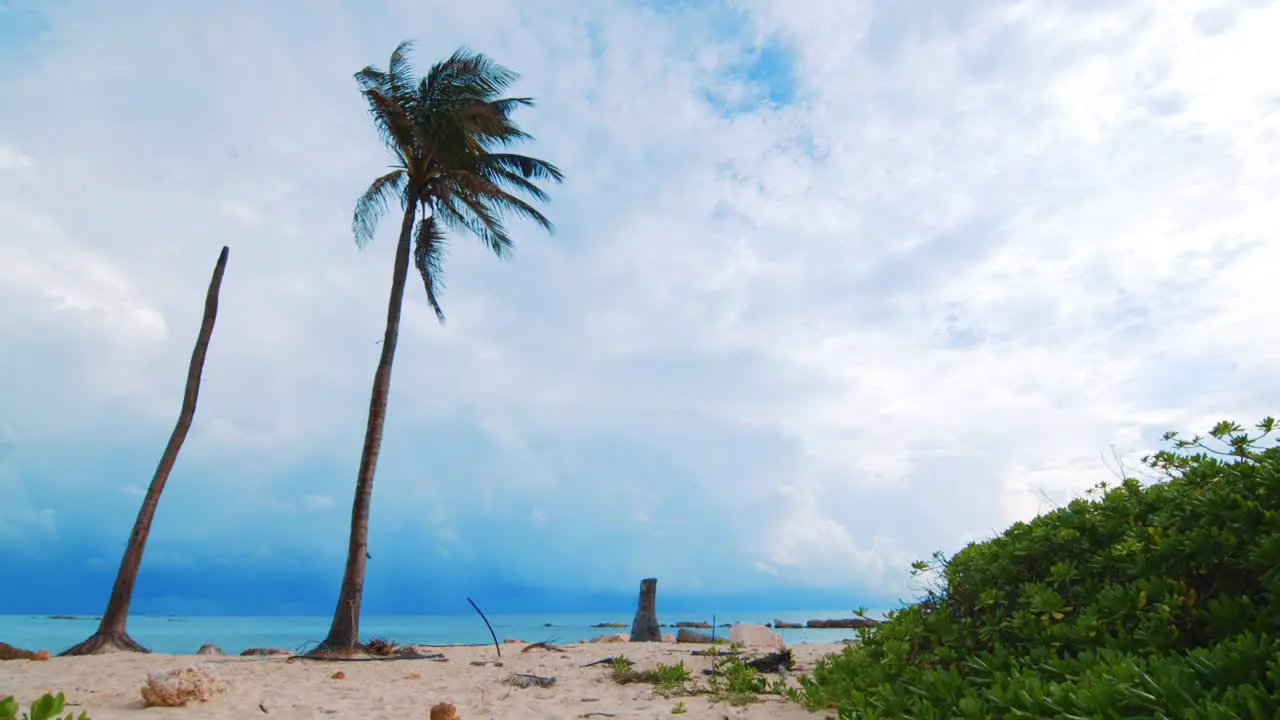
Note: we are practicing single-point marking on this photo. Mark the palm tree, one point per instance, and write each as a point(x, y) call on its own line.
point(446, 132)
point(111, 634)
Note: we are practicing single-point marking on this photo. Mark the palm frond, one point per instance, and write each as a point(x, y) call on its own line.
point(373, 203)
point(471, 71)
point(392, 98)
point(475, 187)
point(428, 257)
point(528, 167)
point(474, 217)
point(400, 69)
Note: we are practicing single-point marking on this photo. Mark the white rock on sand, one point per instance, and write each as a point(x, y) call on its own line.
point(106, 686)
point(755, 636)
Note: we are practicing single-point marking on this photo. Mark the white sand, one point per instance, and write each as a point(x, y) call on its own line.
point(107, 686)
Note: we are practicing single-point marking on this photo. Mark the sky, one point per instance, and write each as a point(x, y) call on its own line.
point(833, 285)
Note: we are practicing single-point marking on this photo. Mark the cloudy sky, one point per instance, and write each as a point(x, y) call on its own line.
point(834, 285)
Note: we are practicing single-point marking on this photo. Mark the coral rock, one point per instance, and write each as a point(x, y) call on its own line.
point(444, 711)
point(177, 687)
point(616, 637)
point(42, 655)
point(209, 649)
point(692, 636)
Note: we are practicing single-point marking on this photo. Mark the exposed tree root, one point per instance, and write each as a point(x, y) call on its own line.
point(101, 643)
point(323, 652)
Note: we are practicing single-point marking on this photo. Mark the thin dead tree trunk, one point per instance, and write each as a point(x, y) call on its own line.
point(111, 635)
point(344, 631)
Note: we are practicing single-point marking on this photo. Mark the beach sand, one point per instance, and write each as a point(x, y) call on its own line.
point(107, 686)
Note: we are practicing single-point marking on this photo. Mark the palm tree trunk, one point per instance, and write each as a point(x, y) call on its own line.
point(344, 631)
point(111, 634)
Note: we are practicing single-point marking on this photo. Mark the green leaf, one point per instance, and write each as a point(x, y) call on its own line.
point(47, 707)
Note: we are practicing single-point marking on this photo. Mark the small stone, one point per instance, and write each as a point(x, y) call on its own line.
point(413, 676)
point(338, 675)
point(444, 711)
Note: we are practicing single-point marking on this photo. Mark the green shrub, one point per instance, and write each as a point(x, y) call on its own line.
point(1156, 601)
point(46, 708)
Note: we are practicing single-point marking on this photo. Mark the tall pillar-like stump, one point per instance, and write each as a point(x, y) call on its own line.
point(645, 627)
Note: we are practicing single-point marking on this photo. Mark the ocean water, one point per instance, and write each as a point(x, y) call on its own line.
point(182, 635)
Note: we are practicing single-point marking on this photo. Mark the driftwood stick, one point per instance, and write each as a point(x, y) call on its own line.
point(544, 645)
point(322, 658)
point(492, 634)
point(524, 680)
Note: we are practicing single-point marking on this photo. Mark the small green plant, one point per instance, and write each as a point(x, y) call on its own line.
point(623, 670)
point(48, 707)
point(679, 708)
point(667, 679)
point(671, 679)
point(737, 683)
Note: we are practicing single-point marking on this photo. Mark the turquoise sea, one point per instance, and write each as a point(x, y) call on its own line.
point(182, 635)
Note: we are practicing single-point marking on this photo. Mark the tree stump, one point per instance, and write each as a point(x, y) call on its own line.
point(645, 627)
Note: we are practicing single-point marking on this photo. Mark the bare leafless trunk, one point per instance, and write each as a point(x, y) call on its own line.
point(344, 631)
point(111, 635)
point(645, 626)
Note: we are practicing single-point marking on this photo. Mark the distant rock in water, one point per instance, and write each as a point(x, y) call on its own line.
point(609, 625)
point(69, 617)
point(699, 625)
point(784, 625)
point(9, 652)
point(209, 649)
point(264, 651)
point(843, 623)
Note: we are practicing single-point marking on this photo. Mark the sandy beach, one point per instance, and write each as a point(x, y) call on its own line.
point(108, 686)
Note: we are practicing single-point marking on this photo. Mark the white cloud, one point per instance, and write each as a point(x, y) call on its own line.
point(13, 159)
point(317, 502)
point(983, 244)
